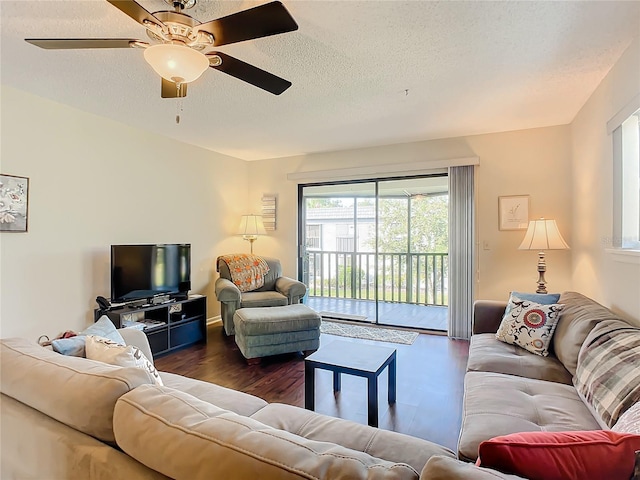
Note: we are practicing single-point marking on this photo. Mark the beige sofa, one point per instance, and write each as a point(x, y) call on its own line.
point(509, 390)
point(73, 418)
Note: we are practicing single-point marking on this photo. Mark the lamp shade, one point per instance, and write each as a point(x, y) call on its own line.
point(176, 63)
point(543, 235)
point(251, 225)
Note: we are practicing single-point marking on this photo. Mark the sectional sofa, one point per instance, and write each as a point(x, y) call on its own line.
point(67, 417)
point(509, 390)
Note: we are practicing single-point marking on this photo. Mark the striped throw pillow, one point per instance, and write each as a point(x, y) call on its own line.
point(608, 373)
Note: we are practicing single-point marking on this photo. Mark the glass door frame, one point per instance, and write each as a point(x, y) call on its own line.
point(302, 258)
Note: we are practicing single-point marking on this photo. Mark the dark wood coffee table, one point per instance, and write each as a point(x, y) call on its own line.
point(358, 359)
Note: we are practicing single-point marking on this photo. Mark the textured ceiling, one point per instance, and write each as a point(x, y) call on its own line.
point(364, 73)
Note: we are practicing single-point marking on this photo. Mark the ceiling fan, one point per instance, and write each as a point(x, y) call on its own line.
point(179, 53)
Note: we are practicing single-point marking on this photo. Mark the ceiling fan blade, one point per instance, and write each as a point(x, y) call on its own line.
point(262, 21)
point(173, 90)
point(250, 74)
point(67, 43)
point(135, 11)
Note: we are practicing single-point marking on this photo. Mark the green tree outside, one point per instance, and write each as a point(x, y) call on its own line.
point(428, 233)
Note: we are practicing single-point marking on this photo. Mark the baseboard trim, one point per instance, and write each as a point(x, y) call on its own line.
point(214, 320)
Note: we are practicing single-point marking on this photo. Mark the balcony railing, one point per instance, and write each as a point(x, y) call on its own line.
point(418, 278)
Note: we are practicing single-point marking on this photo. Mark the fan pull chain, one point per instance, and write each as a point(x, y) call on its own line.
point(179, 108)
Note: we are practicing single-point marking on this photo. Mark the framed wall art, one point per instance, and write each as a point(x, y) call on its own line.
point(269, 211)
point(513, 212)
point(14, 203)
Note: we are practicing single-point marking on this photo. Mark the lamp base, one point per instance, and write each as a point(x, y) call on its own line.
point(250, 239)
point(542, 268)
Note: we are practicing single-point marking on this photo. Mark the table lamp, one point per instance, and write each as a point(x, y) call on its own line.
point(250, 227)
point(542, 235)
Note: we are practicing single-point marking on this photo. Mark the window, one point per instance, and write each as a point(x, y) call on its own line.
point(313, 236)
point(345, 244)
point(345, 241)
point(626, 147)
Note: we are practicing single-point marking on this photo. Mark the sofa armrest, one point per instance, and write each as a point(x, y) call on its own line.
point(290, 288)
point(226, 291)
point(487, 315)
point(445, 468)
point(137, 338)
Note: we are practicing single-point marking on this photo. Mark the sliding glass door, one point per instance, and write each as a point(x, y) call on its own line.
point(338, 249)
point(376, 251)
point(412, 238)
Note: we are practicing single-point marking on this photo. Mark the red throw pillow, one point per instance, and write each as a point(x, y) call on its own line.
point(594, 454)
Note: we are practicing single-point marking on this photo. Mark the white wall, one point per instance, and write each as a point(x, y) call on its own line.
point(93, 183)
point(530, 162)
point(596, 273)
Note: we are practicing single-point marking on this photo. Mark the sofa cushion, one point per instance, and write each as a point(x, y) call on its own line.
point(262, 299)
point(37, 447)
point(232, 400)
point(390, 446)
point(183, 437)
point(496, 404)
point(76, 391)
point(529, 325)
point(445, 468)
point(595, 454)
point(608, 374)
point(579, 316)
point(487, 354)
point(107, 351)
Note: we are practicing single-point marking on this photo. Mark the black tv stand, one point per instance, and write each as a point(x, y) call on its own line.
point(169, 326)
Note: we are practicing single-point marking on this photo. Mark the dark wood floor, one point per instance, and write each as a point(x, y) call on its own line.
point(429, 382)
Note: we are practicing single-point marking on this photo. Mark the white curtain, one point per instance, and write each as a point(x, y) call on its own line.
point(461, 250)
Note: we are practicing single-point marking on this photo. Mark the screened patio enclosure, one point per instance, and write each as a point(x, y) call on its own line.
point(377, 251)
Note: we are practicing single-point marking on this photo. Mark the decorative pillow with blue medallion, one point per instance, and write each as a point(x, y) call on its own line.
point(529, 325)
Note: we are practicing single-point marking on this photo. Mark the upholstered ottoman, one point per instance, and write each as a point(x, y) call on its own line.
point(265, 331)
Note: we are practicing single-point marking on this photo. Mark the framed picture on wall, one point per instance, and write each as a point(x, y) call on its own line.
point(14, 203)
point(513, 212)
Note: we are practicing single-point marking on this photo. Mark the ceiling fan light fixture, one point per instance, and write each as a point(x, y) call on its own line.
point(176, 63)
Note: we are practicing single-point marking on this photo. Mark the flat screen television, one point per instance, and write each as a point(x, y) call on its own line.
point(143, 271)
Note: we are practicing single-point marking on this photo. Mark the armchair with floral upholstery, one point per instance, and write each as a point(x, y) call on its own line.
point(276, 291)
